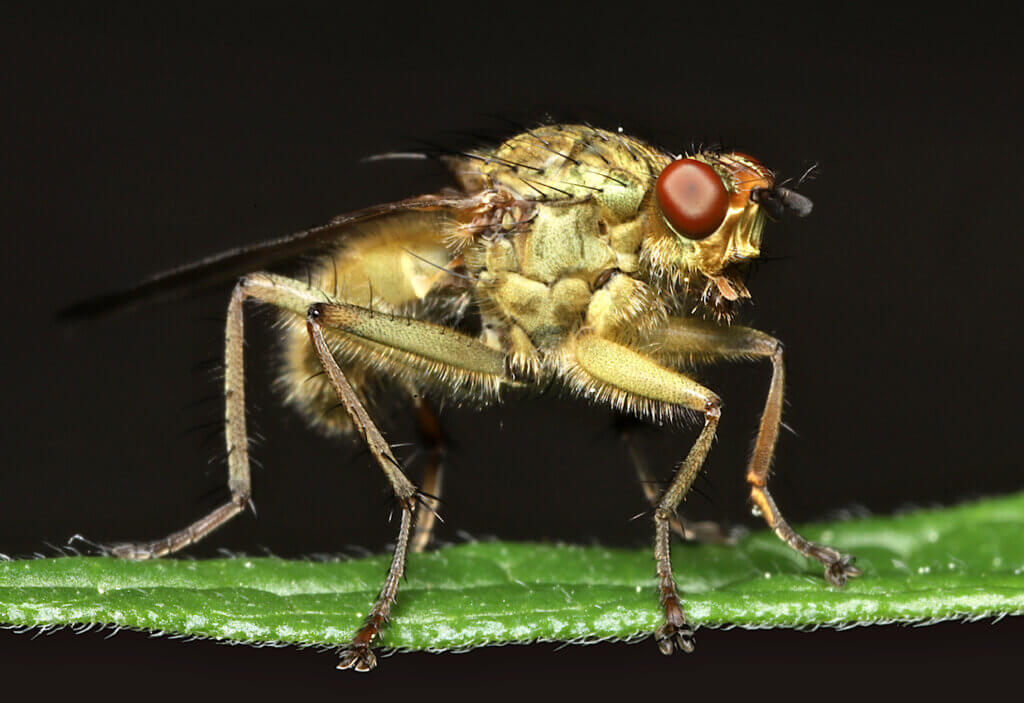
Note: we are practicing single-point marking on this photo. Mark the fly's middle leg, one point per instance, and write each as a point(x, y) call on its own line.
point(633, 377)
point(428, 426)
point(675, 633)
point(704, 531)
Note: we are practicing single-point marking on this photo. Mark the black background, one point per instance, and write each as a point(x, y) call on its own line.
point(134, 140)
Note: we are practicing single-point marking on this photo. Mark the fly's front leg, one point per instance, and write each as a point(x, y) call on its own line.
point(624, 373)
point(838, 566)
point(698, 339)
point(423, 344)
point(269, 289)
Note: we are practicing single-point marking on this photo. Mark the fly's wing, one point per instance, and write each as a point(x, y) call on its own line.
point(229, 265)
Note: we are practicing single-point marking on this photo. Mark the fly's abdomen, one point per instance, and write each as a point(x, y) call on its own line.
point(394, 266)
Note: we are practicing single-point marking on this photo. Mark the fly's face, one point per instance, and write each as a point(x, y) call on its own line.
point(715, 206)
point(707, 201)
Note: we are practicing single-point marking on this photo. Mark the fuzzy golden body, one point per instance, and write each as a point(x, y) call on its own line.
point(567, 254)
point(568, 242)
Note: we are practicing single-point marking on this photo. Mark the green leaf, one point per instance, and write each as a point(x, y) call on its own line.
point(929, 565)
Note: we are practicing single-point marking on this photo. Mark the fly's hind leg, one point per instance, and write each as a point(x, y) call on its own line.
point(266, 288)
point(236, 438)
point(400, 344)
point(697, 339)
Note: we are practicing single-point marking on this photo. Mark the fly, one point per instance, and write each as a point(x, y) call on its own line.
point(569, 256)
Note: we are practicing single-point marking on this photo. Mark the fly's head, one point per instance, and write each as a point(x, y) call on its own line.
point(712, 207)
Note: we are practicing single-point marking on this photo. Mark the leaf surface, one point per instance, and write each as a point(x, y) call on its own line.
point(930, 565)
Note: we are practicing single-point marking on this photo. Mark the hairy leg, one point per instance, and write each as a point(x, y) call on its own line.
point(421, 343)
point(705, 531)
point(257, 287)
point(685, 339)
point(629, 377)
point(428, 425)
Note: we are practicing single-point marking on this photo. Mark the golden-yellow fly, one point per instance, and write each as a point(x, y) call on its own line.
point(569, 256)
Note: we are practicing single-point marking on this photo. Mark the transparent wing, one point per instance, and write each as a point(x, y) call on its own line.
point(228, 265)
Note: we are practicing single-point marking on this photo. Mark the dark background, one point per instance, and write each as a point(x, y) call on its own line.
point(135, 140)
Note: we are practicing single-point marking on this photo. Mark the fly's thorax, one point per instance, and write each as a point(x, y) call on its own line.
point(566, 162)
point(573, 266)
point(539, 279)
point(595, 247)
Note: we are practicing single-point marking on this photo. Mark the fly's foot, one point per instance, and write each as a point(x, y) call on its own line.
point(675, 634)
point(671, 638)
point(357, 656)
point(838, 566)
point(841, 569)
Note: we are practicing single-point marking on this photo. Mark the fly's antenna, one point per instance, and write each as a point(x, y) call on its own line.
point(809, 175)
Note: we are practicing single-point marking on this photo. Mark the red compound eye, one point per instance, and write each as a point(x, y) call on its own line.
point(692, 198)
